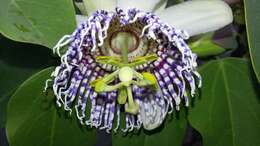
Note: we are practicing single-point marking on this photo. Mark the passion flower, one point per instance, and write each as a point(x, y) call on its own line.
point(124, 62)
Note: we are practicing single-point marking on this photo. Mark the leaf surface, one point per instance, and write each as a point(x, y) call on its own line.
point(227, 112)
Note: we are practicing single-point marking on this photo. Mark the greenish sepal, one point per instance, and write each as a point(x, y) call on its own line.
point(205, 46)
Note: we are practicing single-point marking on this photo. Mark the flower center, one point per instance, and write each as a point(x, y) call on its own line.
point(124, 40)
point(126, 74)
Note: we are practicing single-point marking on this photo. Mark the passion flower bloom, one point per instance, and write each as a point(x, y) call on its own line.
point(128, 64)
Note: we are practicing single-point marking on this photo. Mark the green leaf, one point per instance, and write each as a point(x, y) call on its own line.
point(252, 16)
point(33, 119)
point(227, 112)
point(9, 80)
point(206, 47)
point(17, 62)
point(36, 21)
point(170, 133)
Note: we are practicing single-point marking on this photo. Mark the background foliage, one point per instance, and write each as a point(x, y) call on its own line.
point(225, 111)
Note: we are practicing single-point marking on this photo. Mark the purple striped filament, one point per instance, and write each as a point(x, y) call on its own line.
point(175, 70)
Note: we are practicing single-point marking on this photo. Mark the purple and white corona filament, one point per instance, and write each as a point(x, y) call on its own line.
point(175, 69)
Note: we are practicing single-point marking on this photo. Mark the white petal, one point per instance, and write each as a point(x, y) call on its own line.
point(198, 16)
point(93, 5)
point(80, 19)
point(145, 5)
